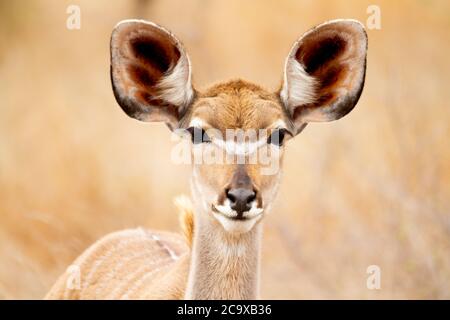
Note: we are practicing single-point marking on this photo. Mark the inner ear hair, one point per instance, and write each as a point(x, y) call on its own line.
point(325, 71)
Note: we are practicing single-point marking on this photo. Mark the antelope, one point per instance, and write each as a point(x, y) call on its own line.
point(219, 255)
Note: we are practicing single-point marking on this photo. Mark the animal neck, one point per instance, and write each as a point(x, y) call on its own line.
point(223, 266)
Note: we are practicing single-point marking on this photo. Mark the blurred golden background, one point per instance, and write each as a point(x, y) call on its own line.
point(370, 189)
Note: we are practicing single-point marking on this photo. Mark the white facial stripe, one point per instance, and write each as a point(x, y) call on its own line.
point(233, 147)
point(239, 148)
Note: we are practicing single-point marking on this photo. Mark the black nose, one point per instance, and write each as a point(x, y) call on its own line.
point(241, 199)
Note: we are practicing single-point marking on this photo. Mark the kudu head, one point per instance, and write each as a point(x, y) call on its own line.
point(323, 79)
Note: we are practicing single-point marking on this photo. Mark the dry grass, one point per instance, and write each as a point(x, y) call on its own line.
point(372, 188)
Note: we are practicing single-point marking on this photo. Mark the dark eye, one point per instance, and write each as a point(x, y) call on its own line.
point(198, 135)
point(277, 137)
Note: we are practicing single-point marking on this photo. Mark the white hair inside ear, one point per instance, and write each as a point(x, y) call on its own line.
point(299, 88)
point(176, 87)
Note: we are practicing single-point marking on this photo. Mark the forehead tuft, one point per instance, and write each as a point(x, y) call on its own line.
point(236, 87)
point(238, 104)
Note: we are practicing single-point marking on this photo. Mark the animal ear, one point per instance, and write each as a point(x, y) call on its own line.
point(150, 72)
point(324, 72)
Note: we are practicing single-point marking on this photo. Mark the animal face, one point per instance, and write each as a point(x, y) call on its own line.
point(238, 130)
point(245, 128)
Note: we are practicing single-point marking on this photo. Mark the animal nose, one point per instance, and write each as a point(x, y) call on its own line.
point(241, 199)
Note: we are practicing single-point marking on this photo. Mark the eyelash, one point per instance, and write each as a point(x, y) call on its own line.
point(198, 135)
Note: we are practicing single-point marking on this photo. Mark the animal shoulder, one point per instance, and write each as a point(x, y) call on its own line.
point(128, 264)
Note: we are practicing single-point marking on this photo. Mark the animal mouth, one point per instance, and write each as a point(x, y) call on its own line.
point(235, 223)
point(227, 212)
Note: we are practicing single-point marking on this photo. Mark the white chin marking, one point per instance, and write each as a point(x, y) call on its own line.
point(236, 226)
point(226, 215)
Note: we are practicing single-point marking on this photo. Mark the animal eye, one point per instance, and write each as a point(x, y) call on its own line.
point(277, 137)
point(198, 135)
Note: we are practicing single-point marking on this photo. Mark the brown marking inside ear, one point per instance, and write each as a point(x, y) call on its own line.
point(333, 75)
point(321, 55)
point(142, 76)
point(159, 53)
point(153, 54)
point(315, 53)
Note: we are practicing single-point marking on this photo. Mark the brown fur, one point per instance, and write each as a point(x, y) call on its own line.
point(242, 105)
